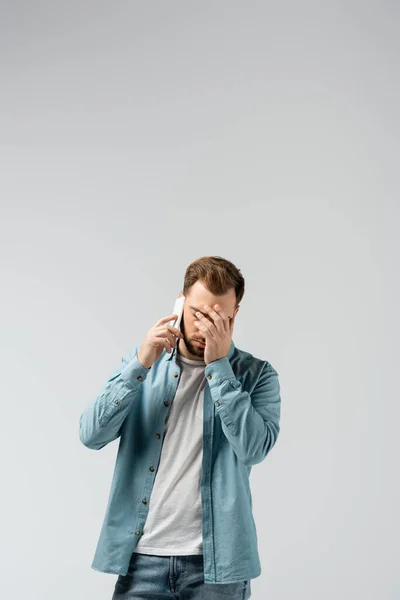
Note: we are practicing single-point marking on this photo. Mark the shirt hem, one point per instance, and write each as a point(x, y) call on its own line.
point(206, 579)
point(168, 551)
point(107, 571)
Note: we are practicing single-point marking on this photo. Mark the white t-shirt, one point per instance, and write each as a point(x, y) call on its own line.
point(174, 521)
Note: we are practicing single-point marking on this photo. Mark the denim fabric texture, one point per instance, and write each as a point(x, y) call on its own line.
point(241, 416)
point(152, 577)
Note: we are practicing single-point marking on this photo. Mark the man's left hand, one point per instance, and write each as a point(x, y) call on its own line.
point(217, 333)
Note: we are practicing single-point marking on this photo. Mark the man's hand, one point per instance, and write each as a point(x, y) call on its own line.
point(217, 333)
point(160, 336)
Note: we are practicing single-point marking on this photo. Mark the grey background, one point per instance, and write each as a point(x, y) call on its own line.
point(138, 136)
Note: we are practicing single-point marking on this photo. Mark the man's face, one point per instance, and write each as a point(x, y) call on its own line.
point(195, 300)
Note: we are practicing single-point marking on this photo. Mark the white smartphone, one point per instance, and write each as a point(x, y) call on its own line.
point(177, 310)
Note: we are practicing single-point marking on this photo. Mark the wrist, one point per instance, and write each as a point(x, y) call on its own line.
point(142, 363)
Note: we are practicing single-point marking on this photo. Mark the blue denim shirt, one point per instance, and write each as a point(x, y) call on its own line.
point(240, 426)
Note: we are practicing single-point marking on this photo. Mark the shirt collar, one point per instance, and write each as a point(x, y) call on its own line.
point(169, 355)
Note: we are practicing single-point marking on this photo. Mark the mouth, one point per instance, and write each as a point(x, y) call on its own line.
point(200, 344)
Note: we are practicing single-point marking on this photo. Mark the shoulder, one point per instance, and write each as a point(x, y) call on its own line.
point(248, 361)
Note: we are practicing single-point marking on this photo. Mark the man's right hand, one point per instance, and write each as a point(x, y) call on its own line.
point(160, 336)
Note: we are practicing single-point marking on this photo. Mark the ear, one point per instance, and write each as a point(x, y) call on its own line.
point(232, 321)
point(180, 294)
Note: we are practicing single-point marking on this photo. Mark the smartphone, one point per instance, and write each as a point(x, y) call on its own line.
point(177, 310)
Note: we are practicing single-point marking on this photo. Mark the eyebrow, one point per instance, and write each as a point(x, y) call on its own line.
point(197, 309)
point(194, 308)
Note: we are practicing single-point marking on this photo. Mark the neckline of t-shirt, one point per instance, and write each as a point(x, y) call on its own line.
point(190, 361)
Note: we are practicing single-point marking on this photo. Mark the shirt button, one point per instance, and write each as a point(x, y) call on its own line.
point(137, 532)
point(158, 436)
point(176, 374)
point(209, 376)
point(144, 501)
point(116, 401)
point(140, 378)
point(166, 403)
point(151, 468)
point(218, 404)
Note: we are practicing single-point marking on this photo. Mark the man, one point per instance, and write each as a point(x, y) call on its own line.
point(193, 418)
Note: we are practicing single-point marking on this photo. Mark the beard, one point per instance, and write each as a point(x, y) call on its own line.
point(193, 348)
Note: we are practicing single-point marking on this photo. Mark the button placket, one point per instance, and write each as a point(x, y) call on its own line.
point(158, 436)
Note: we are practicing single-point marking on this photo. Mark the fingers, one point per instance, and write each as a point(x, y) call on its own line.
point(167, 344)
point(167, 334)
point(166, 319)
point(168, 337)
point(176, 331)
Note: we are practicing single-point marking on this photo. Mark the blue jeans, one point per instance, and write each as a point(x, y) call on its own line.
point(153, 577)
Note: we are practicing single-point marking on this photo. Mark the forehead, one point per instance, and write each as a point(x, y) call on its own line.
point(199, 295)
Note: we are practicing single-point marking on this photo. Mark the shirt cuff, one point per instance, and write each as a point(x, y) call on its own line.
point(219, 371)
point(134, 372)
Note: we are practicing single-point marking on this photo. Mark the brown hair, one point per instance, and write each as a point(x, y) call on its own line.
point(217, 274)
